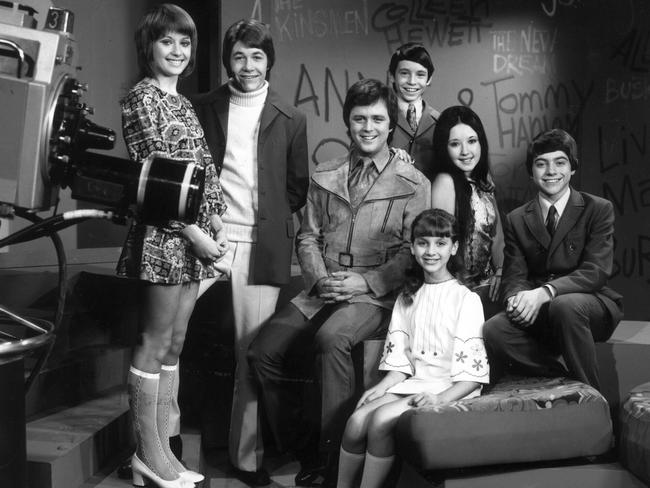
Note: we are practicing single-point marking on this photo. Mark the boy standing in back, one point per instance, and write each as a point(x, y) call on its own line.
point(410, 72)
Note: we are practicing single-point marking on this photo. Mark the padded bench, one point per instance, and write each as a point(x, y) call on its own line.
point(634, 443)
point(519, 420)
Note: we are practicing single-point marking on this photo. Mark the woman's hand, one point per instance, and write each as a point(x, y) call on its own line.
point(495, 285)
point(202, 245)
point(222, 243)
point(371, 395)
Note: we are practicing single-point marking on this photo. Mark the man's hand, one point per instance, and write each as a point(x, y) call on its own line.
point(341, 286)
point(403, 154)
point(348, 284)
point(523, 307)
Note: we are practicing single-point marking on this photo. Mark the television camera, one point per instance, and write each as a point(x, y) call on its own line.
point(46, 134)
point(45, 142)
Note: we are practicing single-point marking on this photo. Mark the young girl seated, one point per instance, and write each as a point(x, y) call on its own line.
point(434, 351)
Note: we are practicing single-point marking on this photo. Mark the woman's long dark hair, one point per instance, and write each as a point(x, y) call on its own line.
point(448, 119)
point(434, 222)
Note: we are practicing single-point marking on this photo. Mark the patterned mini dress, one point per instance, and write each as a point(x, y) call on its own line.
point(478, 244)
point(155, 122)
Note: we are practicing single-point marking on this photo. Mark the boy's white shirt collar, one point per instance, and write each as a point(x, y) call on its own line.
point(560, 205)
point(403, 106)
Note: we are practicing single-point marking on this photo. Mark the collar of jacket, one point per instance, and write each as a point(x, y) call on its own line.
point(220, 98)
point(535, 223)
point(393, 182)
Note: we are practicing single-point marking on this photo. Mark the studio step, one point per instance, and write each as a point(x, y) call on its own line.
point(68, 447)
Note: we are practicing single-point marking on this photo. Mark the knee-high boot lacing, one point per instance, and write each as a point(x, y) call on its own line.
point(165, 394)
point(149, 460)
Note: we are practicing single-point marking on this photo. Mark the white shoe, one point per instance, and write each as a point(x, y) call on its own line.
point(141, 471)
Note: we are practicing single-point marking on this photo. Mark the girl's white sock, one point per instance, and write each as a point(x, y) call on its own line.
point(376, 470)
point(350, 464)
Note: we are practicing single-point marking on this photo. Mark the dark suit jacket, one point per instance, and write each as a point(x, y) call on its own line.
point(578, 259)
point(282, 170)
point(418, 144)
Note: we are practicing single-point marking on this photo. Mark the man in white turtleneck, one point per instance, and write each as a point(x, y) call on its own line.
point(259, 144)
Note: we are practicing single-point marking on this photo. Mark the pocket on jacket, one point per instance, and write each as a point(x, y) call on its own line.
point(386, 219)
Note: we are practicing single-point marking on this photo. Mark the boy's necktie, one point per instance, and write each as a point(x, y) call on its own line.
point(551, 220)
point(411, 118)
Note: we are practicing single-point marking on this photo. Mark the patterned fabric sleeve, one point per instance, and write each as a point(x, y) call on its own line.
point(469, 358)
point(397, 350)
point(213, 198)
point(213, 195)
point(142, 116)
point(140, 125)
point(151, 126)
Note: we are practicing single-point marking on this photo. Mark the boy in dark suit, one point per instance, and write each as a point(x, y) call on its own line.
point(558, 256)
point(410, 72)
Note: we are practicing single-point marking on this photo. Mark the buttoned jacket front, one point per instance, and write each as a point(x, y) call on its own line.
point(577, 259)
point(419, 143)
point(372, 239)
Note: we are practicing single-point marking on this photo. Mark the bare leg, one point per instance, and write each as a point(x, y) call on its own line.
point(381, 442)
point(166, 310)
point(353, 446)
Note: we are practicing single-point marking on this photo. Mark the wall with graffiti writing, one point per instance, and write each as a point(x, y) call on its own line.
point(522, 66)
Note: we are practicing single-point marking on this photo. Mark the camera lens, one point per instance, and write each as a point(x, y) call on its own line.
point(169, 189)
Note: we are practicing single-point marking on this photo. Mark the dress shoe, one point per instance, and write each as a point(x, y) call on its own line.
point(318, 472)
point(141, 472)
point(252, 478)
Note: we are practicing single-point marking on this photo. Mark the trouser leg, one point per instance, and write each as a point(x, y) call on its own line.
point(577, 320)
point(252, 306)
point(348, 325)
point(511, 348)
point(276, 356)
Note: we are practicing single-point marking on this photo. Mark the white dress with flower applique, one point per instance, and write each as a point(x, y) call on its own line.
point(437, 340)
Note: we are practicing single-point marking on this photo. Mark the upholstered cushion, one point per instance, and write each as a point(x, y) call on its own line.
point(519, 420)
point(635, 432)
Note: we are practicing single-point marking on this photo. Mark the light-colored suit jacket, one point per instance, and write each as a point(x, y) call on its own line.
point(578, 259)
point(372, 239)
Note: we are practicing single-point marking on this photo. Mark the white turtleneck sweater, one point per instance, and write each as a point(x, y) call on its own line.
point(239, 173)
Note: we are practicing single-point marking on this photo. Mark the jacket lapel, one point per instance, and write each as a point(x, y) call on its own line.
point(335, 180)
point(533, 220)
point(426, 121)
point(221, 109)
point(389, 184)
point(572, 212)
point(403, 124)
point(269, 113)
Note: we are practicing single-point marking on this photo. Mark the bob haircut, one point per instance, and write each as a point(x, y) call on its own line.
point(449, 118)
point(368, 92)
point(433, 222)
point(551, 141)
point(251, 33)
point(156, 23)
point(411, 51)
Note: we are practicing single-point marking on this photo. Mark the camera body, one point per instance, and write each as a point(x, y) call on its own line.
point(37, 69)
point(45, 133)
